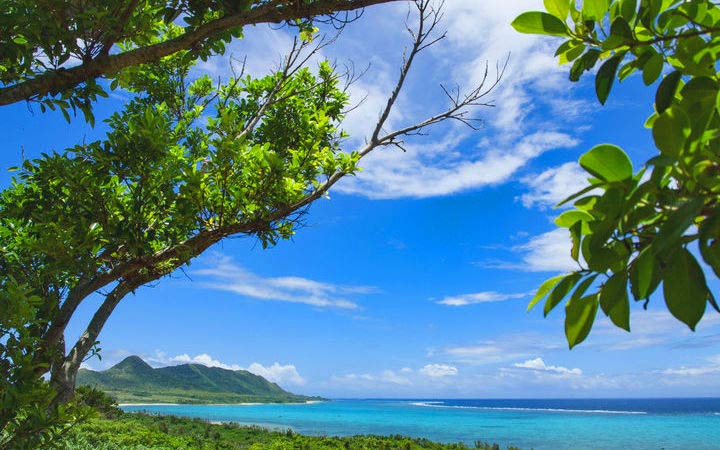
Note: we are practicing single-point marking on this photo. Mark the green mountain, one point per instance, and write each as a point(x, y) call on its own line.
point(132, 380)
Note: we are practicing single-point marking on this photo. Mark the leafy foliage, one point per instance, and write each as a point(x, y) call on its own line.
point(53, 51)
point(25, 420)
point(141, 431)
point(634, 231)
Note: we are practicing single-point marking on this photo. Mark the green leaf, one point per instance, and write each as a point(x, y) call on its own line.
point(536, 22)
point(666, 91)
point(576, 235)
point(576, 195)
point(579, 318)
point(607, 162)
point(595, 9)
point(561, 290)
point(544, 289)
point(710, 242)
point(644, 274)
point(628, 8)
point(558, 8)
point(606, 76)
point(671, 130)
point(614, 300)
point(685, 290)
point(583, 64)
point(569, 218)
point(653, 67)
point(676, 224)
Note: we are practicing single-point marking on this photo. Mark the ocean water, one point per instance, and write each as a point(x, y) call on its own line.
point(529, 424)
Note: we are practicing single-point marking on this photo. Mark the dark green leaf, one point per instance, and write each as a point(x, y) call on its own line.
point(607, 162)
point(676, 224)
point(621, 29)
point(628, 8)
point(652, 67)
point(561, 290)
point(606, 76)
point(666, 91)
point(685, 290)
point(579, 317)
point(584, 63)
point(536, 22)
point(614, 300)
point(710, 242)
point(644, 274)
point(576, 235)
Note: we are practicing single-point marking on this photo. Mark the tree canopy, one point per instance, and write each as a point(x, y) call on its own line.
point(631, 230)
point(54, 50)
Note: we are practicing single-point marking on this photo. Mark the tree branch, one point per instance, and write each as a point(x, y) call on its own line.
point(63, 79)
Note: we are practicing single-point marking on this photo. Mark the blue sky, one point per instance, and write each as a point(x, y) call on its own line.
point(412, 280)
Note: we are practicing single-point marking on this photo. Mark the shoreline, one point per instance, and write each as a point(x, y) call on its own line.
point(309, 402)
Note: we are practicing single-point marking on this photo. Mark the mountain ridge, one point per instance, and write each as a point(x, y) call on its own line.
point(133, 380)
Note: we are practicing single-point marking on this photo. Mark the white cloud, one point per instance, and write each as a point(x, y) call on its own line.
point(508, 347)
point(438, 370)
point(548, 252)
point(539, 365)
point(713, 367)
point(419, 172)
point(485, 353)
point(366, 379)
point(277, 373)
point(228, 276)
point(203, 359)
point(553, 185)
point(480, 297)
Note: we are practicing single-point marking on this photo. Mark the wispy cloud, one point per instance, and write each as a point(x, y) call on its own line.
point(547, 252)
point(550, 187)
point(419, 173)
point(480, 297)
point(223, 274)
point(539, 365)
point(439, 370)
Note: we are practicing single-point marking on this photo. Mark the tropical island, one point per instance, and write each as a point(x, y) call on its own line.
point(132, 380)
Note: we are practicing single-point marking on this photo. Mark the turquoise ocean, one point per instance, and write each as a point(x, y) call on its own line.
point(529, 424)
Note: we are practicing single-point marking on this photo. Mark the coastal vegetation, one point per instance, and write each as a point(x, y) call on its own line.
point(635, 230)
point(132, 380)
point(112, 429)
point(141, 431)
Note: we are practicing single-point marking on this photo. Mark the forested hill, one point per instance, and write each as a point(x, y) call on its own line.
point(133, 380)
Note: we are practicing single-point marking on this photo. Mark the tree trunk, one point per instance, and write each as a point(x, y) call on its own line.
point(62, 377)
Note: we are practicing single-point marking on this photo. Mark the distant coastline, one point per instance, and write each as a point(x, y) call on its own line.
point(308, 402)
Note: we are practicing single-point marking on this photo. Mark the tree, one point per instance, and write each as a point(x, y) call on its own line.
point(108, 217)
point(54, 50)
point(632, 231)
